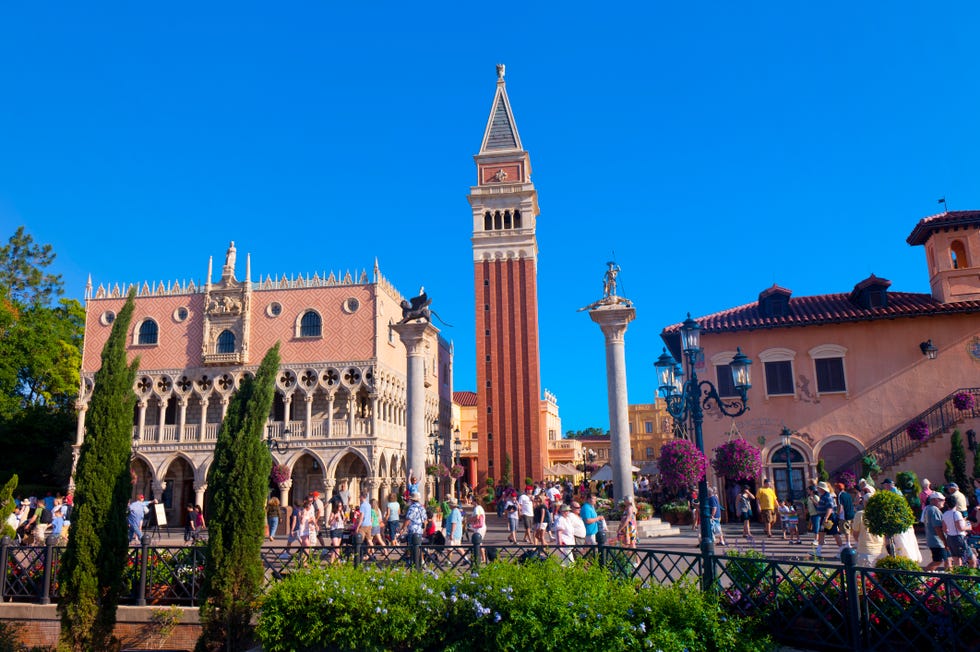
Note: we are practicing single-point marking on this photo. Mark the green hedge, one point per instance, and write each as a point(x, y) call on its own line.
point(502, 607)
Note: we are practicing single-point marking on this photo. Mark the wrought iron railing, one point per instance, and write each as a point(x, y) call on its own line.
point(894, 446)
point(813, 605)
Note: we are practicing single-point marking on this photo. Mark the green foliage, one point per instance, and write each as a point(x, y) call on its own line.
point(239, 479)
point(949, 472)
point(92, 565)
point(869, 467)
point(897, 582)
point(502, 607)
point(7, 506)
point(588, 433)
point(957, 457)
point(40, 357)
point(887, 514)
point(908, 483)
point(678, 507)
point(505, 474)
point(746, 568)
point(822, 472)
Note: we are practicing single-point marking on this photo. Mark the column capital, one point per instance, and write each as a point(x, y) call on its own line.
point(286, 484)
point(200, 486)
point(413, 335)
point(613, 320)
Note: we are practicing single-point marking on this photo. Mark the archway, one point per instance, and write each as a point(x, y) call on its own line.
point(780, 474)
point(179, 492)
point(142, 476)
point(837, 452)
point(351, 469)
point(307, 477)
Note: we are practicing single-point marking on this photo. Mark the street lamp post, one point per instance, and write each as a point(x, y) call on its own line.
point(786, 435)
point(590, 456)
point(278, 444)
point(457, 459)
point(686, 400)
point(437, 449)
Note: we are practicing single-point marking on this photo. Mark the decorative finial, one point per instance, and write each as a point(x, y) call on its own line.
point(501, 70)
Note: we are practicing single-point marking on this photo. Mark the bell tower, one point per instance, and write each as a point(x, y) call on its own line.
point(505, 252)
point(952, 244)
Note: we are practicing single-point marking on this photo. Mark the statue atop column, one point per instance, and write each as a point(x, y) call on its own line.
point(417, 309)
point(228, 271)
point(609, 295)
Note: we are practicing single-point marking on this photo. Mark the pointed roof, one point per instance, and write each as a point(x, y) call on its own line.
point(501, 132)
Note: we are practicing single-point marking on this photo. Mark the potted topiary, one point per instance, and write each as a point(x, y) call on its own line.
point(887, 514)
point(676, 513)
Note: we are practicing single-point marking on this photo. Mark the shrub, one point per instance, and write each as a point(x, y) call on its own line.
point(957, 457)
point(7, 506)
point(822, 472)
point(888, 514)
point(898, 582)
point(908, 483)
point(502, 607)
point(677, 507)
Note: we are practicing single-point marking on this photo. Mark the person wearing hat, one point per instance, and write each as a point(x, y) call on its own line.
point(888, 485)
point(565, 534)
point(956, 498)
point(415, 517)
point(955, 528)
point(932, 519)
point(454, 524)
point(827, 510)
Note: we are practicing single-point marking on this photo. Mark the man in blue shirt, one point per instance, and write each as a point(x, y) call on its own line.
point(137, 512)
point(415, 517)
point(591, 518)
point(455, 523)
point(714, 513)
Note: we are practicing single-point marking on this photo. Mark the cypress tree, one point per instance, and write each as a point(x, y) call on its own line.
point(957, 456)
point(91, 572)
point(7, 506)
point(239, 480)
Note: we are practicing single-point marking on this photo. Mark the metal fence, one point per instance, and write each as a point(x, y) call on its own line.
point(808, 604)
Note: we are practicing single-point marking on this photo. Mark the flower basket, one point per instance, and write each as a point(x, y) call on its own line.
point(681, 463)
point(963, 401)
point(848, 479)
point(280, 473)
point(456, 472)
point(737, 460)
point(433, 469)
point(918, 430)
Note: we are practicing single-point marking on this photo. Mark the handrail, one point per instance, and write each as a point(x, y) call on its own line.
point(891, 448)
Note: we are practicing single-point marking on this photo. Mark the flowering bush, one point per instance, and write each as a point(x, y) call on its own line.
point(963, 401)
point(737, 460)
point(681, 463)
point(846, 478)
point(503, 606)
point(280, 473)
point(918, 430)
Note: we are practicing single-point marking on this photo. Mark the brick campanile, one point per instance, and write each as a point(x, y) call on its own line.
point(505, 251)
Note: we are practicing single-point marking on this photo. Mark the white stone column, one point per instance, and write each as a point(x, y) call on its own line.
point(351, 406)
point(80, 424)
point(142, 420)
point(284, 488)
point(308, 428)
point(374, 416)
point(201, 436)
point(413, 336)
point(181, 418)
point(199, 489)
point(613, 320)
point(329, 424)
point(224, 406)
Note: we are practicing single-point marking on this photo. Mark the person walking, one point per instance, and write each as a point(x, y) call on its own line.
point(932, 519)
point(827, 510)
point(768, 504)
point(745, 499)
point(273, 512)
point(392, 517)
point(845, 512)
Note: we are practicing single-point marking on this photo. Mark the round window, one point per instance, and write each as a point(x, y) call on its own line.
point(351, 305)
point(180, 314)
point(274, 309)
point(107, 318)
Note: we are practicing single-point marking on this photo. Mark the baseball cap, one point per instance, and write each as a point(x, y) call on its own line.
point(887, 481)
point(564, 508)
point(935, 495)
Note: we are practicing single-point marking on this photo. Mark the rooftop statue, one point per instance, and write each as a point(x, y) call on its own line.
point(417, 308)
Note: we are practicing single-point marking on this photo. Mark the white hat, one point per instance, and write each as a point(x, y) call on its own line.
point(935, 495)
point(416, 495)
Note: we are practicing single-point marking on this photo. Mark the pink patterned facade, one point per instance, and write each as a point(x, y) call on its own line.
point(340, 401)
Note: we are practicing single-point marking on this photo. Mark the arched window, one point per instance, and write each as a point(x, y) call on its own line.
point(311, 325)
point(517, 219)
point(487, 221)
point(149, 333)
point(957, 255)
point(226, 342)
point(507, 219)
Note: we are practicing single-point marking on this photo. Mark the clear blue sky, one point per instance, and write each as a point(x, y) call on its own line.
point(716, 148)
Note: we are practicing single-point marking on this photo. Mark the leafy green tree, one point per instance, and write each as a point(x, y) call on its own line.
point(92, 567)
point(505, 475)
point(40, 358)
point(239, 479)
point(7, 506)
point(888, 514)
point(588, 433)
point(957, 456)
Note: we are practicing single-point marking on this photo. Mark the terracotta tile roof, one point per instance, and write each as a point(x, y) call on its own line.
point(950, 219)
point(826, 309)
point(464, 399)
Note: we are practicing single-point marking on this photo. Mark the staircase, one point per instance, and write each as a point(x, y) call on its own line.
point(896, 445)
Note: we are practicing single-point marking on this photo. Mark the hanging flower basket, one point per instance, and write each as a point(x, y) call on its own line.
point(433, 469)
point(848, 479)
point(280, 473)
point(456, 472)
point(681, 463)
point(737, 460)
point(963, 401)
point(918, 430)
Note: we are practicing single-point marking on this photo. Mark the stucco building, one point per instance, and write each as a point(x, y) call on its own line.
point(340, 393)
point(850, 372)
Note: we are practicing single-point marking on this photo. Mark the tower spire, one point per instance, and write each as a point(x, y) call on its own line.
point(501, 132)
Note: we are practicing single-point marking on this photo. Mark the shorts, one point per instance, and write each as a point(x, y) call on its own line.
point(364, 531)
point(336, 534)
point(542, 526)
point(767, 516)
point(526, 521)
point(745, 517)
point(512, 525)
point(958, 548)
point(939, 554)
point(375, 530)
